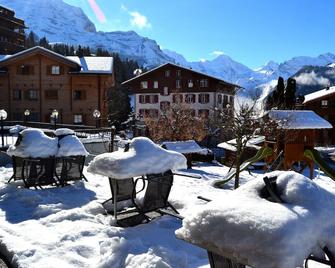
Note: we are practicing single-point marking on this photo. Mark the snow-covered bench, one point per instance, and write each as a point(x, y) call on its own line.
point(148, 161)
point(252, 228)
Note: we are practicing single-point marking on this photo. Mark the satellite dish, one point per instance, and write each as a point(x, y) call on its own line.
point(137, 72)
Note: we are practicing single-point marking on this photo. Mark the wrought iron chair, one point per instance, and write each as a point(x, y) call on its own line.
point(70, 168)
point(17, 168)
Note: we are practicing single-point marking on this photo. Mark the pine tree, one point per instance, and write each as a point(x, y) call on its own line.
point(290, 90)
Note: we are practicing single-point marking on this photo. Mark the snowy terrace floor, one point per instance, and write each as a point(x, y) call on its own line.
point(66, 227)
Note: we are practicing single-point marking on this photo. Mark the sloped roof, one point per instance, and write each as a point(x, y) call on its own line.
point(94, 64)
point(37, 50)
point(255, 142)
point(181, 67)
point(302, 119)
point(184, 147)
point(319, 94)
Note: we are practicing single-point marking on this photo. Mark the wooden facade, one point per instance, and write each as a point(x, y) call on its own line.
point(323, 103)
point(169, 83)
point(12, 37)
point(40, 80)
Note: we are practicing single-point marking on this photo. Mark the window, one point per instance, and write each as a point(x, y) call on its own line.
point(177, 98)
point(153, 113)
point(78, 119)
point(225, 99)
point(141, 98)
point(324, 103)
point(178, 84)
point(31, 94)
point(203, 83)
point(154, 99)
point(155, 84)
point(231, 99)
point(25, 69)
point(167, 73)
point(203, 98)
point(55, 69)
point(190, 83)
point(166, 91)
point(51, 94)
point(178, 73)
point(165, 105)
point(147, 98)
point(144, 84)
point(17, 94)
point(219, 99)
point(190, 98)
point(79, 94)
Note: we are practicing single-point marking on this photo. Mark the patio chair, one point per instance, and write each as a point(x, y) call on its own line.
point(124, 191)
point(70, 168)
point(38, 172)
point(17, 168)
point(155, 199)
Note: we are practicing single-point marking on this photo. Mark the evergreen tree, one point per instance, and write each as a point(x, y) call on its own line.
point(290, 94)
point(280, 92)
point(31, 40)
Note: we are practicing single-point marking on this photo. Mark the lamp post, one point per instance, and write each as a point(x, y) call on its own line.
point(96, 115)
point(111, 146)
point(54, 116)
point(3, 116)
point(26, 115)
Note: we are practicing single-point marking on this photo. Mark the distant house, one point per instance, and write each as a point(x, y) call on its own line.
point(41, 80)
point(323, 103)
point(12, 38)
point(169, 83)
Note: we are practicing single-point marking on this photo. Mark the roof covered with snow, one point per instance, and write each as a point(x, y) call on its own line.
point(254, 142)
point(94, 64)
point(260, 233)
point(319, 94)
point(144, 157)
point(298, 119)
point(184, 147)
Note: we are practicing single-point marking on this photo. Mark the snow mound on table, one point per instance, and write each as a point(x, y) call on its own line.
point(144, 157)
point(35, 144)
point(69, 144)
point(16, 129)
point(263, 234)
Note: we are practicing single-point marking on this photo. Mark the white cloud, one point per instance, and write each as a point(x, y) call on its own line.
point(202, 60)
point(137, 19)
point(312, 79)
point(217, 53)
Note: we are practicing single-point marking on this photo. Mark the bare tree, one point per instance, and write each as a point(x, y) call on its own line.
point(177, 123)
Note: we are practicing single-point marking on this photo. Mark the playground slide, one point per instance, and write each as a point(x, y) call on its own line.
point(315, 156)
point(261, 154)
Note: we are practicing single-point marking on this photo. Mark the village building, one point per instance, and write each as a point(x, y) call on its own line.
point(12, 38)
point(41, 80)
point(323, 103)
point(158, 89)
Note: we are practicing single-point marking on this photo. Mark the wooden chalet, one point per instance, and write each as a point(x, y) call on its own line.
point(12, 37)
point(295, 132)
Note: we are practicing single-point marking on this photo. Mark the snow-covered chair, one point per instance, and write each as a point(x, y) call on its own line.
point(70, 158)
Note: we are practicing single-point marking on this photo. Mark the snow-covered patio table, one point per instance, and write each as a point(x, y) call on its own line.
point(142, 158)
point(254, 231)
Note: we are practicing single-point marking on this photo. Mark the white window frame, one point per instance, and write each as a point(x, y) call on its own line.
point(178, 83)
point(166, 91)
point(324, 103)
point(190, 83)
point(55, 69)
point(144, 84)
point(155, 84)
point(167, 73)
point(204, 83)
point(77, 118)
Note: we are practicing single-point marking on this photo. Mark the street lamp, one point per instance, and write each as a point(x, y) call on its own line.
point(111, 146)
point(54, 116)
point(26, 115)
point(96, 115)
point(3, 116)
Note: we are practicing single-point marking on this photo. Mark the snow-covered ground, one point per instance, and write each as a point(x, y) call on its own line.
point(67, 227)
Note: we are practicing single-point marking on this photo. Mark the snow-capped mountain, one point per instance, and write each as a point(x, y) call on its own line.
point(61, 22)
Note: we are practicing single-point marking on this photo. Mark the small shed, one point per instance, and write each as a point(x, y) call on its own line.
point(294, 133)
point(190, 149)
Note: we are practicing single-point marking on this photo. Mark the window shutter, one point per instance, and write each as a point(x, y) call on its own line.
point(207, 98)
point(156, 99)
point(174, 98)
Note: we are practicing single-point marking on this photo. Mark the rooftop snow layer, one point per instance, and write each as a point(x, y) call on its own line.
point(94, 64)
point(260, 233)
point(254, 142)
point(144, 157)
point(319, 94)
point(184, 147)
point(302, 119)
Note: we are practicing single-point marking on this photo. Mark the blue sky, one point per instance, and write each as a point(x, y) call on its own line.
point(250, 31)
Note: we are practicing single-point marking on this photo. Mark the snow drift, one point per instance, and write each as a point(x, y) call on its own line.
point(264, 234)
point(144, 157)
